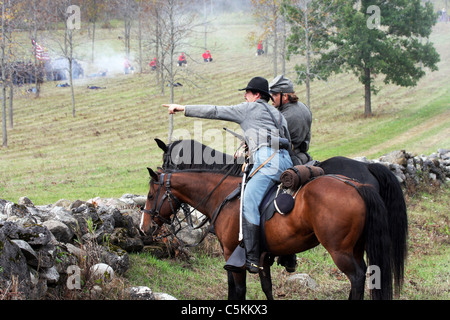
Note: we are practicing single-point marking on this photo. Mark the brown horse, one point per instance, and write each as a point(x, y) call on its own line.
point(347, 218)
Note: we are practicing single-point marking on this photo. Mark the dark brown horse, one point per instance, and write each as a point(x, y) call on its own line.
point(348, 219)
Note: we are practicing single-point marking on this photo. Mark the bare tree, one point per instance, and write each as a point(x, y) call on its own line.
point(5, 42)
point(174, 25)
point(93, 10)
point(268, 13)
point(127, 11)
point(69, 14)
point(310, 22)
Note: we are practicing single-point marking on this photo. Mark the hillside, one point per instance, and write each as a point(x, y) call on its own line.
point(105, 150)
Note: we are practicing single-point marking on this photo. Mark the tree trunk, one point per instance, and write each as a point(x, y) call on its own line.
point(4, 132)
point(36, 63)
point(275, 50)
point(3, 74)
point(205, 24)
point(69, 46)
point(140, 40)
point(171, 74)
point(367, 93)
point(11, 111)
point(308, 58)
point(283, 48)
point(93, 41)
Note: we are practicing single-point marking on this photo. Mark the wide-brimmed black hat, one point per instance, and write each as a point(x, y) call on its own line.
point(258, 84)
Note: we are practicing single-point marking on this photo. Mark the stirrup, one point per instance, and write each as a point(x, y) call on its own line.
point(253, 268)
point(256, 266)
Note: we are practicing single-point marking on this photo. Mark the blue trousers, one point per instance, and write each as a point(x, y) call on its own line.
point(263, 180)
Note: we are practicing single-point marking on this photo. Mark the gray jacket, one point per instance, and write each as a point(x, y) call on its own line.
point(253, 117)
point(299, 119)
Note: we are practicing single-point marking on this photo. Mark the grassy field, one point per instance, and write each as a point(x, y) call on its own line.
point(105, 149)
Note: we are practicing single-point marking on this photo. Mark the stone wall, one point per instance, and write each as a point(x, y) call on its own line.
point(417, 168)
point(39, 243)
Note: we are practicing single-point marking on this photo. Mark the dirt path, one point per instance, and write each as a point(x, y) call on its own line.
point(413, 133)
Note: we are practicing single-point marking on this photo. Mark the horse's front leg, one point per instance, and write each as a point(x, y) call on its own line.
point(264, 275)
point(237, 285)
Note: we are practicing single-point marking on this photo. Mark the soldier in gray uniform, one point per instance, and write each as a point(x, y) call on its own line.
point(267, 137)
point(298, 117)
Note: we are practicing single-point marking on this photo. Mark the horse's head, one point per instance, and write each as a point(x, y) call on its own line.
point(161, 204)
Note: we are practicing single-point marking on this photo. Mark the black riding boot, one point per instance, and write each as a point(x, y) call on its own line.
point(251, 243)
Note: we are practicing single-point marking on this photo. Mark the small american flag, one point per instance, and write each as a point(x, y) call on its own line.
point(40, 52)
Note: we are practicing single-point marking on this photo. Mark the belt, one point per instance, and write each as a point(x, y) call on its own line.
point(278, 143)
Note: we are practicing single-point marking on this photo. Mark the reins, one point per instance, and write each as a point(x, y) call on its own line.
point(155, 211)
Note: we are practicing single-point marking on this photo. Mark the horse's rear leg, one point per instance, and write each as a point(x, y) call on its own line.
point(355, 270)
point(264, 275)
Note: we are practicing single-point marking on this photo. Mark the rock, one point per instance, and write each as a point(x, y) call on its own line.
point(74, 250)
point(133, 200)
point(2, 207)
point(28, 252)
point(397, 157)
point(102, 271)
point(76, 204)
point(24, 201)
point(190, 236)
point(19, 214)
point(141, 293)
point(14, 274)
point(35, 235)
point(444, 154)
point(115, 257)
point(38, 286)
point(120, 237)
point(108, 222)
point(304, 280)
point(163, 296)
point(60, 230)
point(65, 216)
point(63, 203)
point(51, 275)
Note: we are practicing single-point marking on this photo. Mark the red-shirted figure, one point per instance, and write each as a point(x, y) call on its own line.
point(260, 50)
point(207, 56)
point(152, 64)
point(182, 60)
point(127, 66)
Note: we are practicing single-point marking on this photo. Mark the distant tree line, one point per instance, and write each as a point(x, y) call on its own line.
point(159, 26)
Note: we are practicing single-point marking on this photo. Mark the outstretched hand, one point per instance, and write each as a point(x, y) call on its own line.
point(173, 107)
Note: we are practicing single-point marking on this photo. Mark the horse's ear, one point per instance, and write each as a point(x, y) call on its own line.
point(161, 145)
point(152, 173)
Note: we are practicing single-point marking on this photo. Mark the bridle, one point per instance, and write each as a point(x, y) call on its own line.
point(175, 204)
point(168, 195)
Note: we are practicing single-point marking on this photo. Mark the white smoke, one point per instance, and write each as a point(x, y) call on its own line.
point(107, 62)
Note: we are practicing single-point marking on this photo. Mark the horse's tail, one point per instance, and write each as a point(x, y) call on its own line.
point(377, 242)
point(392, 195)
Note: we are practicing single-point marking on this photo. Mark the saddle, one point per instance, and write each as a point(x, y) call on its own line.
point(278, 199)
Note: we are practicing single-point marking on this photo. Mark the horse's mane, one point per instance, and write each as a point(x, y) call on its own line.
point(191, 155)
